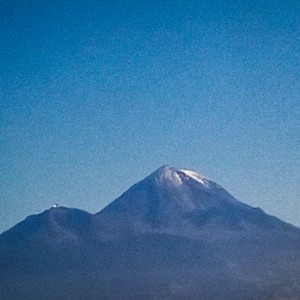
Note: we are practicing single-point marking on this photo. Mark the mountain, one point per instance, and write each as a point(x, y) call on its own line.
point(181, 202)
point(173, 235)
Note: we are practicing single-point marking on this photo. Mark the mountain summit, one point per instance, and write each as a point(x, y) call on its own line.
point(173, 235)
point(181, 202)
point(178, 176)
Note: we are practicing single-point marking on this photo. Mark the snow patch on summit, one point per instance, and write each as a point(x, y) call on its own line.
point(196, 177)
point(172, 176)
point(179, 177)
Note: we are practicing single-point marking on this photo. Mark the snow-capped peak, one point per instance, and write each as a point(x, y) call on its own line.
point(179, 176)
point(196, 177)
point(170, 174)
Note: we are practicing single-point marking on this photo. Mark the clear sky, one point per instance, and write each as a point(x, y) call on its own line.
point(95, 95)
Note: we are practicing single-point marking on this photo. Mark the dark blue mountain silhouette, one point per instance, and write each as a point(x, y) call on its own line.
point(174, 235)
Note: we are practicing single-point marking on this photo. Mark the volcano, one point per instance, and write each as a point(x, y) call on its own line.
point(173, 235)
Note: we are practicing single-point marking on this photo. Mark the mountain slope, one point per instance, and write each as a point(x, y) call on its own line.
point(45, 242)
point(173, 235)
point(181, 202)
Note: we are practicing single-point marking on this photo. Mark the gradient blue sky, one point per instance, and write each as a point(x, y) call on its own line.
point(95, 95)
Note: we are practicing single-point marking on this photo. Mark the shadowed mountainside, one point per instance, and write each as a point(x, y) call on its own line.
point(174, 235)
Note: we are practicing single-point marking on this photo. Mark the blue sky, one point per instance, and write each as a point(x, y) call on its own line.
point(95, 96)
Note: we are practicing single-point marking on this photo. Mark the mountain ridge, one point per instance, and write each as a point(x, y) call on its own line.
point(173, 235)
point(164, 183)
